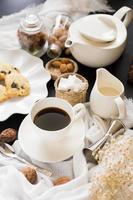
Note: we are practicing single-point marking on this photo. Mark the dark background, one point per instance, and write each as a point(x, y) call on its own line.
point(119, 68)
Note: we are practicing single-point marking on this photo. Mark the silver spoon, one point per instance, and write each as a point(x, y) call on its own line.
point(8, 151)
point(117, 128)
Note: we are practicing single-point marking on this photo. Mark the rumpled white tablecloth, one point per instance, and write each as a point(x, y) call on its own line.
point(14, 186)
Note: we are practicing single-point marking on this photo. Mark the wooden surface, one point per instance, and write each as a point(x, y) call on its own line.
point(119, 68)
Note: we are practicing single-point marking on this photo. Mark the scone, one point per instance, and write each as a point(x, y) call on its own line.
point(3, 93)
point(6, 69)
point(17, 85)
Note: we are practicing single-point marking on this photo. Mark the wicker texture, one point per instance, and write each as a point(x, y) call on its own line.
point(71, 96)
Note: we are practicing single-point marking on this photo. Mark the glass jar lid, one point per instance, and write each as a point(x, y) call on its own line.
point(32, 23)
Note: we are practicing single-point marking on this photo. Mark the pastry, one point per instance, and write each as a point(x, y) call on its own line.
point(3, 93)
point(6, 69)
point(13, 84)
point(17, 85)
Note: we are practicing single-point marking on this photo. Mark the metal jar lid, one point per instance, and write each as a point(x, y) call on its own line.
point(32, 23)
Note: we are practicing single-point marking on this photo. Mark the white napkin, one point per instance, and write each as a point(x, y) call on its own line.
point(128, 121)
point(97, 127)
point(14, 186)
point(75, 8)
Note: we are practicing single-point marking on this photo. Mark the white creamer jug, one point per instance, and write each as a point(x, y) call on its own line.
point(106, 98)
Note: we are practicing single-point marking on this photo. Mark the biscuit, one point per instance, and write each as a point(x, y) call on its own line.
point(6, 69)
point(17, 85)
point(3, 93)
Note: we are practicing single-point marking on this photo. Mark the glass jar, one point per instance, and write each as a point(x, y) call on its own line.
point(32, 35)
point(58, 35)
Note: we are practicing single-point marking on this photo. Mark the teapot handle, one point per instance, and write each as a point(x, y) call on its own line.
point(127, 12)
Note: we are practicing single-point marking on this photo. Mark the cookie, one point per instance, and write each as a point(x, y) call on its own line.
point(3, 93)
point(17, 85)
point(6, 69)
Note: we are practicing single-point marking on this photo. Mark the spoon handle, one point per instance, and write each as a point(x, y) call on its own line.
point(99, 144)
point(115, 128)
point(8, 151)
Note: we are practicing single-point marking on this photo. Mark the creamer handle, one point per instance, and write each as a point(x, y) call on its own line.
point(127, 12)
point(121, 107)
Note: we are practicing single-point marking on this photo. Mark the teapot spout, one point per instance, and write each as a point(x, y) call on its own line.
point(69, 43)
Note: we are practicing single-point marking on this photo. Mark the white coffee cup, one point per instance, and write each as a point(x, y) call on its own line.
point(53, 146)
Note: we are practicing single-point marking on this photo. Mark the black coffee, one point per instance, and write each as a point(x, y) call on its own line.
point(52, 119)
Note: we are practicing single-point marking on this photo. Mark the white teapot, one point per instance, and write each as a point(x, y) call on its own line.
point(98, 40)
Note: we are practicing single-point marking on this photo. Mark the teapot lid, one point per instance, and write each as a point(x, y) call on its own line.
point(98, 29)
point(75, 36)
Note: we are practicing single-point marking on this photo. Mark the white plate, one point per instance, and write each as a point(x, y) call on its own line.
point(32, 68)
point(32, 146)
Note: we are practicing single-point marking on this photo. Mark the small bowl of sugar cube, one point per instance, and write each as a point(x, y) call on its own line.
point(71, 87)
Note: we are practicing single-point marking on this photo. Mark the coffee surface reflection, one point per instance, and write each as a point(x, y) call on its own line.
point(52, 119)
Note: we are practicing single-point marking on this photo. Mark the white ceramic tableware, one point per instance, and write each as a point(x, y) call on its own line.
point(101, 30)
point(106, 98)
point(90, 51)
point(32, 68)
point(53, 146)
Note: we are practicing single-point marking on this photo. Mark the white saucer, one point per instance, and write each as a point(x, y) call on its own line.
point(32, 144)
